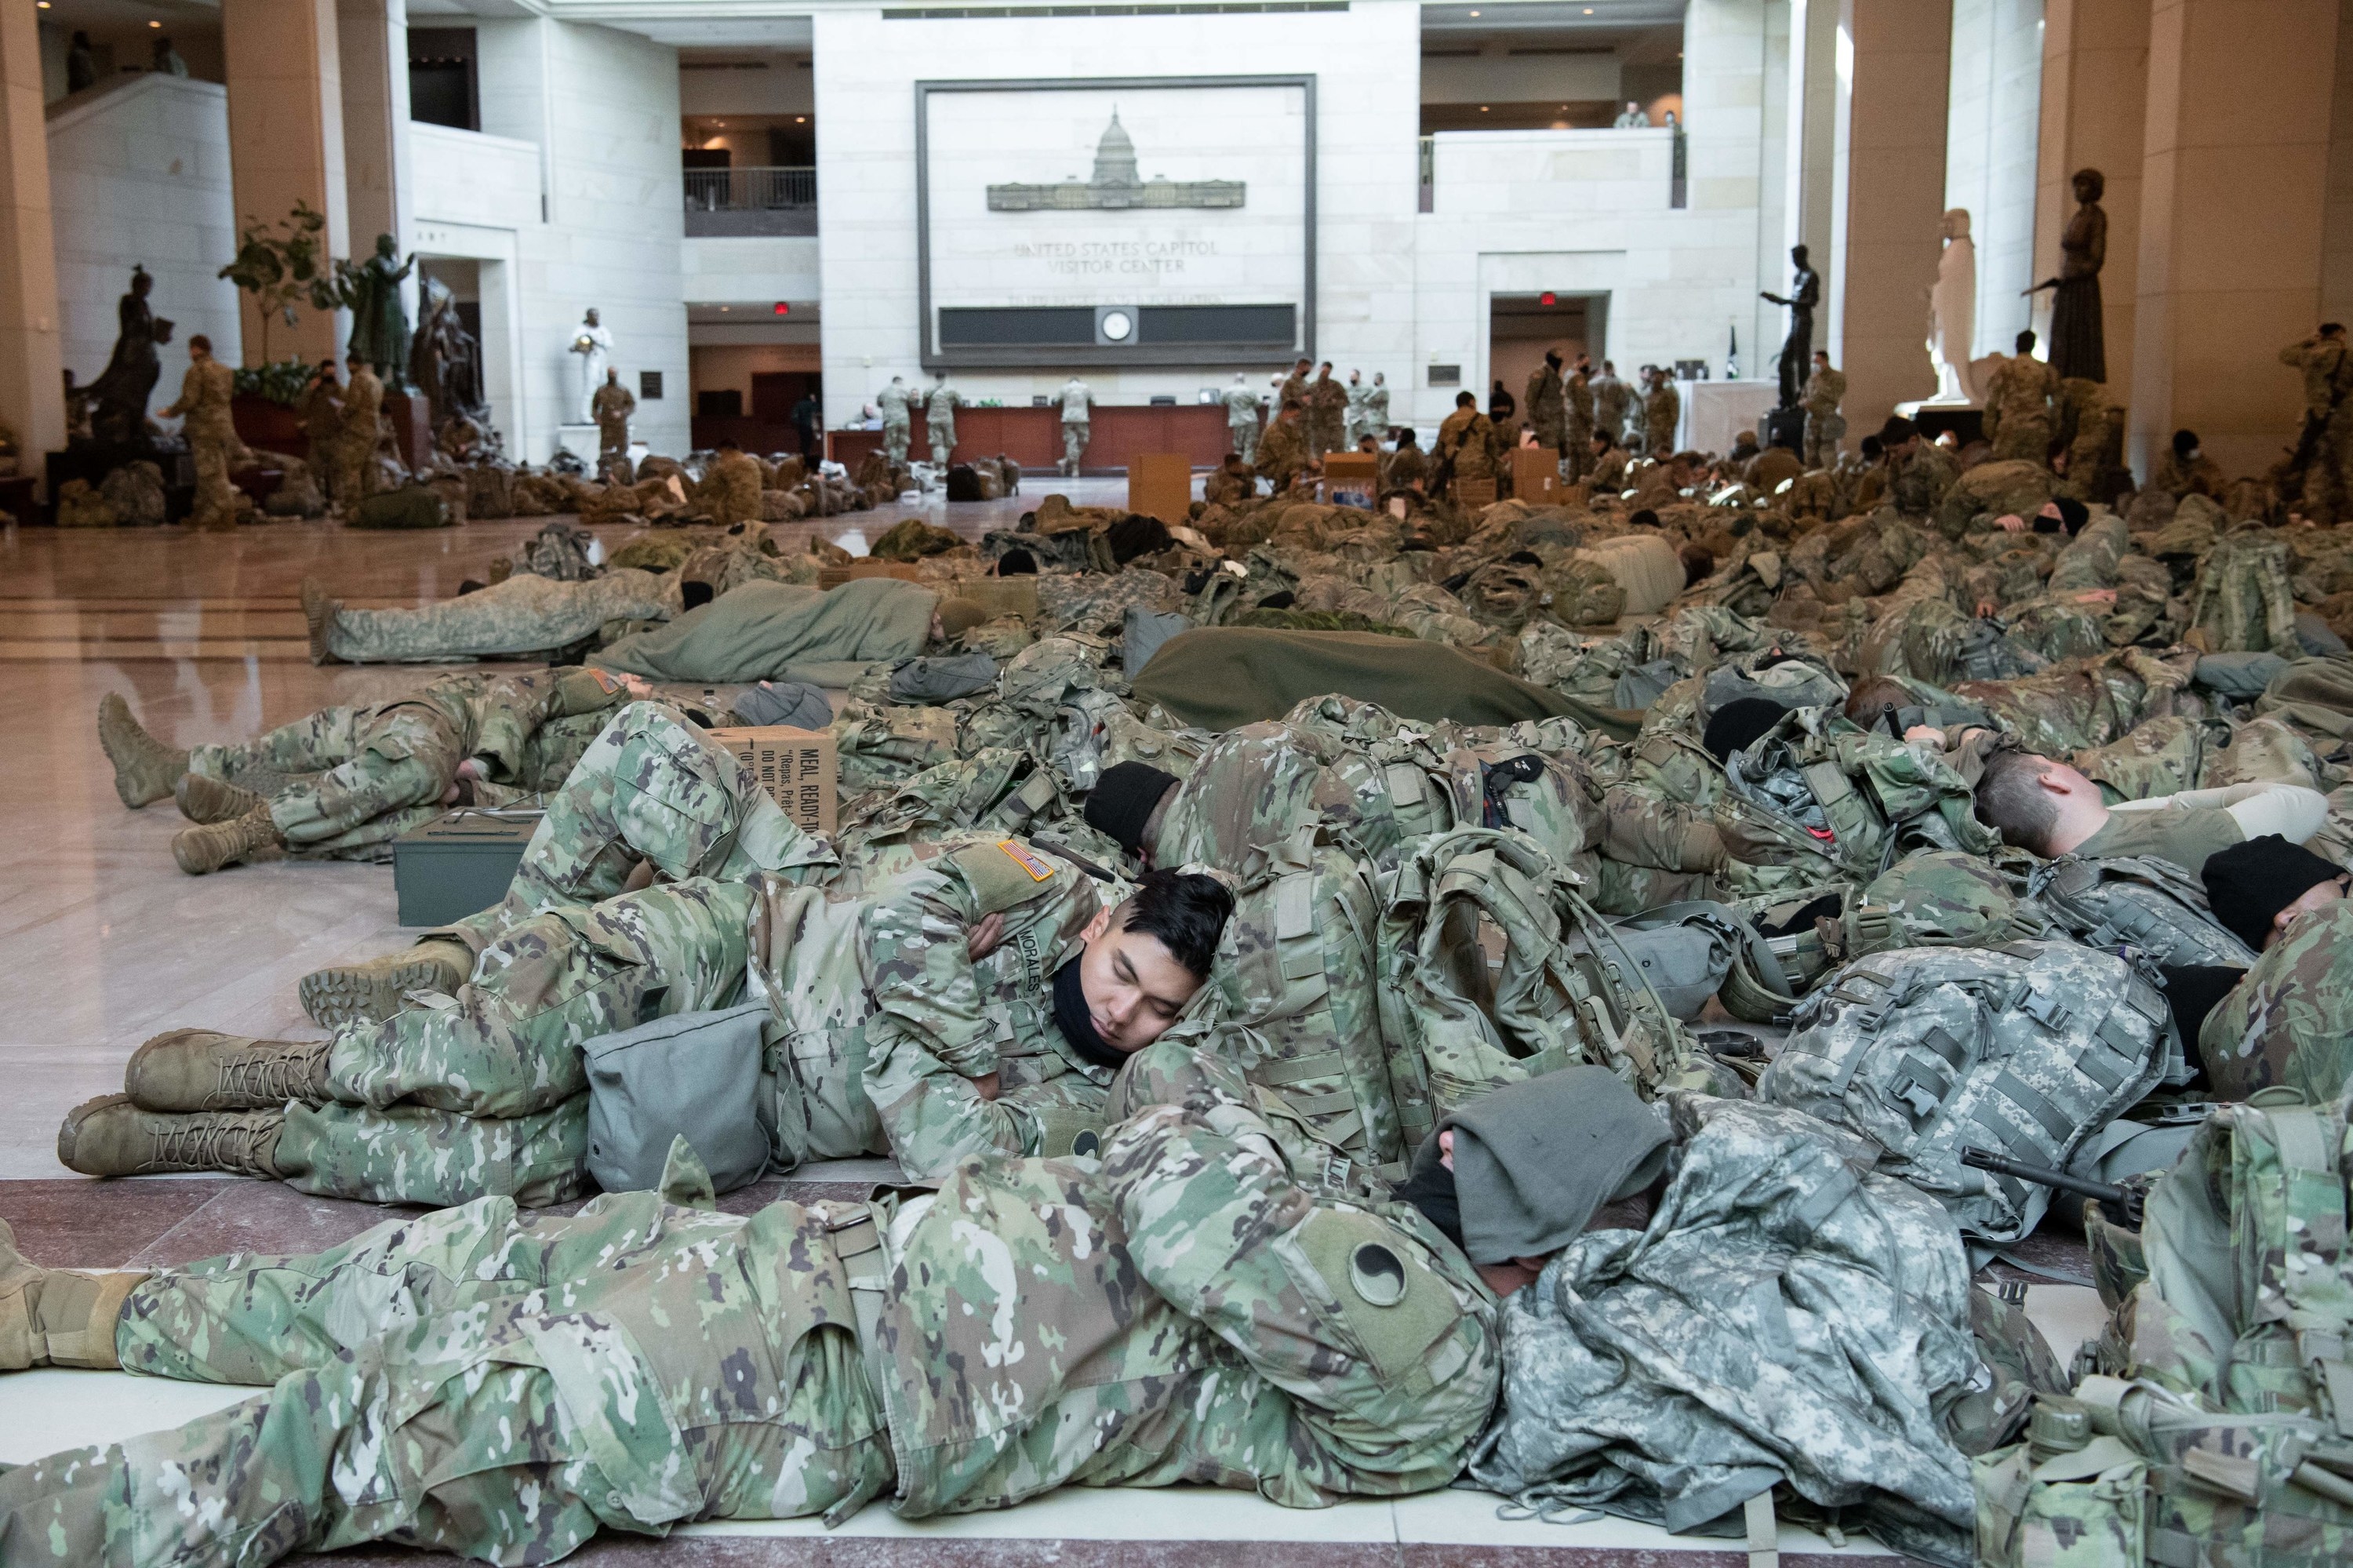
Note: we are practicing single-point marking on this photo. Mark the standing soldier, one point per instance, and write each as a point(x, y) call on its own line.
point(1577, 453)
point(1376, 408)
point(1294, 387)
point(613, 405)
point(736, 497)
point(1610, 399)
point(1825, 426)
point(1662, 410)
point(2021, 406)
point(322, 424)
point(939, 417)
point(1466, 442)
point(1078, 418)
point(1241, 418)
point(205, 394)
point(355, 452)
point(1327, 407)
point(1547, 411)
point(2323, 447)
point(1355, 430)
point(897, 423)
point(1283, 450)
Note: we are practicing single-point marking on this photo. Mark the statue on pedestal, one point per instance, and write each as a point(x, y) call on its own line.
point(2078, 340)
point(444, 359)
point(118, 399)
point(371, 290)
point(593, 344)
point(1952, 312)
point(1798, 348)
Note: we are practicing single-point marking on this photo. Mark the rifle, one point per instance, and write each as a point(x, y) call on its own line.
point(2121, 1204)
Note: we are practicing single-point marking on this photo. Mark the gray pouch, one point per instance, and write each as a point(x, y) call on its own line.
point(1142, 633)
point(695, 1076)
point(2239, 675)
point(1643, 685)
point(1684, 962)
point(793, 703)
point(941, 679)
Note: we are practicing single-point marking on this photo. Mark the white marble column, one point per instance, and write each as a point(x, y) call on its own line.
point(1991, 121)
point(32, 400)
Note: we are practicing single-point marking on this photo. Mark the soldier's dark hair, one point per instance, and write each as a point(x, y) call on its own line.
point(1698, 565)
point(1465, 400)
point(1606, 439)
point(1185, 911)
point(1643, 518)
point(1872, 448)
point(201, 340)
point(2184, 443)
point(2012, 802)
point(1896, 431)
point(2330, 329)
point(1875, 699)
point(2024, 342)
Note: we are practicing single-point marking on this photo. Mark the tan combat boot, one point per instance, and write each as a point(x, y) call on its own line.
point(319, 617)
point(58, 1317)
point(111, 1137)
point(372, 991)
point(212, 845)
point(144, 768)
point(198, 1070)
point(206, 800)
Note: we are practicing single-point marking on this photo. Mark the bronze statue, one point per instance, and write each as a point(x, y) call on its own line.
point(2078, 342)
point(444, 359)
point(370, 290)
point(1798, 349)
point(118, 399)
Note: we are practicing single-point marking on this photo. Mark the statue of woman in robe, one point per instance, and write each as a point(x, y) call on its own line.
point(1952, 311)
point(2078, 342)
point(118, 399)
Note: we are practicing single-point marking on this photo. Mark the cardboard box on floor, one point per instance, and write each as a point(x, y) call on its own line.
point(799, 768)
point(834, 577)
point(1001, 596)
point(1351, 479)
point(1535, 475)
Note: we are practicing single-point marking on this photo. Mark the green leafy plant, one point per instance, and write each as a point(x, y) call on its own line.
point(283, 381)
point(282, 265)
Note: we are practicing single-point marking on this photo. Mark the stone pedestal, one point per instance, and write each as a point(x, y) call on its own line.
point(411, 418)
point(584, 441)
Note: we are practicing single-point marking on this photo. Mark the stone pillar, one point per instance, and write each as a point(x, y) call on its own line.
point(1815, 103)
point(2094, 105)
point(286, 143)
point(1885, 240)
point(32, 398)
point(1991, 156)
point(373, 38)
point(2233, 172)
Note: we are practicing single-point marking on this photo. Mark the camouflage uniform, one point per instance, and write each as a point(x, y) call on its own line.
point(1282, 452)
point(355, 471)
point(1825, 426)
point(524, 614)
point(1916, 483)
point(1577, 432)
point(375, 772)
point(1663, 409)
point(1327, 408)
point(1611, 398)
point(1183, 1310)
point(1468, 437)
point(1241, 421)
point(1659, 843)
point(1545, 407)
point(939, 423)
point(2291, 1019)
point(2325, 449)
point(2020, 401)
point(213, 443)
point(610, 407)
point(897, 423)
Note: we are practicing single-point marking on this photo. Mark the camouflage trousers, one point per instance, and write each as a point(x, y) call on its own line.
point(1074, 442)
point(1823, 434)
point(895, 437)
point(2024, 437)
point(944, 443)
point(475, 1383)
point(650, 786)
point(216, 497)
point(488, 1093)
point(1244, 440)
point(373, 773)
point(524, 614)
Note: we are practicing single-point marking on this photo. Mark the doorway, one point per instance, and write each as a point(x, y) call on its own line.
point(1521, 327)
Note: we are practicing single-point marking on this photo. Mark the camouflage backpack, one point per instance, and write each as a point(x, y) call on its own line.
point(998, 790)
point(1053, 697)
point(2131, 901)
point(2219, 1427)
point(1479, 987)
point(2243, 601)
point(2025, 1051)
point(888, 746)
point(1296, 966)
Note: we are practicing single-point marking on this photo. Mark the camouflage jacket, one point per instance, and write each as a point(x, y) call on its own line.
point(2290, 1022)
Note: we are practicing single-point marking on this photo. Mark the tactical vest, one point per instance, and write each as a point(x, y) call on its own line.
point(2139, 902)
point(2025, 1051)
point(1479, 986)
point(1297, 966)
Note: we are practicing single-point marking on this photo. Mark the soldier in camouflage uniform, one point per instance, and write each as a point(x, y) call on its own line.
point(1919, 472)
point(345, 781)
point(355, 471)
point(1327, 407)
point(978, 1002)
point(2021, 406)
point(898, 425)
point(2290, 1020)
point(1206, 1302)
point(1467, 447)
point(1283, 450)
point(2324, 449)
point(524, 614)
point(1547, 407)
point(1610, 398)
point(1825, 426)
point(1663, 409)
point(1577, 428)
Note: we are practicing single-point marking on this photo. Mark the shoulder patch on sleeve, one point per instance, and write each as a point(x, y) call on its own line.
point(1003, 873)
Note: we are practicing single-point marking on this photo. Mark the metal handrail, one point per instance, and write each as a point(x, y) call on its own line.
point(753, 189)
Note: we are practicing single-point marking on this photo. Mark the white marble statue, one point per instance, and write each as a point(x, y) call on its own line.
point(593, 342)
point(1953, 311)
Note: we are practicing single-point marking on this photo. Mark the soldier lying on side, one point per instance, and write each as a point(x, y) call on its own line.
point(2049, 809)
point(346, 781)
point(2290, 1018)
point(980, 1001)
point(1195, 1305)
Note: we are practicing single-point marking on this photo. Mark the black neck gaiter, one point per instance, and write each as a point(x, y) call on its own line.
point(1072, 1017)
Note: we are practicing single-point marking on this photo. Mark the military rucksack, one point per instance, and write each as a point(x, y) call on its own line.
point(2139, 902)
point(1297, 966)
point(887, 746)
point(998, 790)
point(2025, 1051)
point(2243, 600)
point(1481, 987)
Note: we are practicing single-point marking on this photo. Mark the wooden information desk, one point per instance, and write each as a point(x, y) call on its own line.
point(1032, 437)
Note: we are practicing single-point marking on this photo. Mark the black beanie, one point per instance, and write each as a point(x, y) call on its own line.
point(2073, 514)
point(1122, 801)
point(1016, 562)
point(2249, 883)
point(1738, 724)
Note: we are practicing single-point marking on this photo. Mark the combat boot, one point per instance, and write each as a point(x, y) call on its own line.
point(144, 768)
point(198, 1070)
point(212, 845)
point(111, 1137)
point(319, 617)
point(370, 992)
point(58, 1317)
point(208, 800)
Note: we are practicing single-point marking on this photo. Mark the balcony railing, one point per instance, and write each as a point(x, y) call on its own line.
point(751, 201)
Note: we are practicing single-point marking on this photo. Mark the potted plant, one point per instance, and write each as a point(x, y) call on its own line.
point(281, 265)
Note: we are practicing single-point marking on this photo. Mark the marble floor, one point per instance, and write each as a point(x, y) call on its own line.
point(103, 942)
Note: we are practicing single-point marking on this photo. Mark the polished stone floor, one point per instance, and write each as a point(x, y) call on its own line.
point(103, 942)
